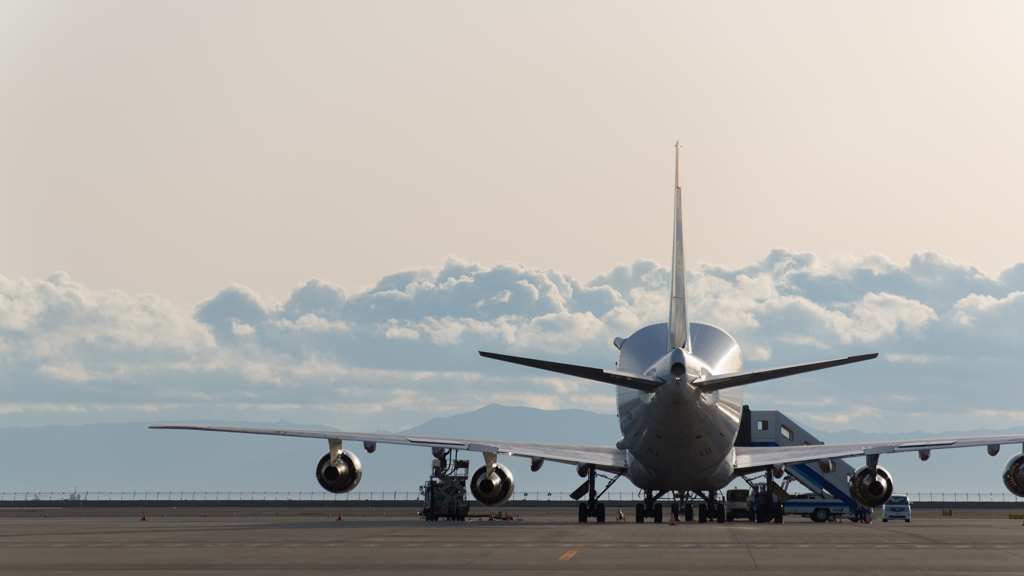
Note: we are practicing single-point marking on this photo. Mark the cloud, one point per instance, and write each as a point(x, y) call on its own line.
point(405, 348)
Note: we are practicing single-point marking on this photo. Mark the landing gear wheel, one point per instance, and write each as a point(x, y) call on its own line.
point(639, 513)
point(657, 513)
point(885, 519)
point(819, 515)
point(721, 513)
point(600, 511)
point(583, 512)
point(907, 520)
point(688, 512)
point(675, 510)
point(702, 513)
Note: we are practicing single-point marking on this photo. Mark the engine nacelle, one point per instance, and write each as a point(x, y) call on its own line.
point(1013, 475)
point(870, 492)
point(342, 477)
point(487, 490)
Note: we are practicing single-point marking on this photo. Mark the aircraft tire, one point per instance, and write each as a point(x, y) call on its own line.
point(702, 514)
point(639, 513)
point(583, 512)
point(688, 512)
point(600, 511)
point(675, 510)
point(657, 513)
point(721, 513)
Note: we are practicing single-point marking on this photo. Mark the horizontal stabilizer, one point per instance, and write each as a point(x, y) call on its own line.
point(641, 383)
point(712, 383)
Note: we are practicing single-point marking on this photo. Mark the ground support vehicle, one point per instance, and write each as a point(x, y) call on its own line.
point(820, 509)
point(739, 503)
point(897, 508)
point(444, 494)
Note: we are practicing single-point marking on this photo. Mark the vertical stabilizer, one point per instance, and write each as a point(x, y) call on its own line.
point(678, 325)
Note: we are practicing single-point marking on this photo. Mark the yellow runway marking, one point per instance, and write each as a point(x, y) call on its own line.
point(568, 555)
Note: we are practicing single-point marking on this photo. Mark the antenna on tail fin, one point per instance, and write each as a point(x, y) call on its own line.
point(678, 324)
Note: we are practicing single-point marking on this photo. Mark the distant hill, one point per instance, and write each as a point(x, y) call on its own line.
point(130, 457)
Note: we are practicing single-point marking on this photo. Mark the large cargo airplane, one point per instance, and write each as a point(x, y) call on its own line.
point(679, 387)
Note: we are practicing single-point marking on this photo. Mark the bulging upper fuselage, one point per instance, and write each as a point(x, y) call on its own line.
point(679, 438)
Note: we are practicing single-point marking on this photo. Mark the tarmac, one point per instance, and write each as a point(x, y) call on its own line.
point(538, 540)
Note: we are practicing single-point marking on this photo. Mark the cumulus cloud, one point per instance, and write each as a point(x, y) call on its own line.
point(407, 345)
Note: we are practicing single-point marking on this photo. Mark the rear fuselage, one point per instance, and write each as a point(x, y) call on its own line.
point(677, 437)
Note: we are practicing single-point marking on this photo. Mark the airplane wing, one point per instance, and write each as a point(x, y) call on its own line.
point(608, 459)
point(748, 457)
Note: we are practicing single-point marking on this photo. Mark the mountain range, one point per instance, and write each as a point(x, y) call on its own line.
point(130, 457)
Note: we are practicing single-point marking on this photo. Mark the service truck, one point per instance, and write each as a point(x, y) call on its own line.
point(819, 509)
point(739, 503)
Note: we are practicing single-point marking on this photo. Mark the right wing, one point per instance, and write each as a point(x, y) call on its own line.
point(748, 457)
point(608, 459)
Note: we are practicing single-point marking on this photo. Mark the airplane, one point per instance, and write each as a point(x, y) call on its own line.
point(680, 405)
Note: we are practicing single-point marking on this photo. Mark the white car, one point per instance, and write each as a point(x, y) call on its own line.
point(897, 508)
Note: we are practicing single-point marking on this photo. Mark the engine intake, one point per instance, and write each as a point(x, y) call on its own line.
point(342, 477)
point(1013, 475)
point(487, 490)
point(871, 492)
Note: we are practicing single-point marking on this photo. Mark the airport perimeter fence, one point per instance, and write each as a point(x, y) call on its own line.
point(316, 496)
point(384, 496)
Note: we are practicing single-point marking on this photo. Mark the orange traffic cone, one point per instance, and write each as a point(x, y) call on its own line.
point(339, 514)
point(672, 520)
point(492, 516)
point(143, 514)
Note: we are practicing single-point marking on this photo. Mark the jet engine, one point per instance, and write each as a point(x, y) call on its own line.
point(1013, 475)
point(487, 490)
point(870, 492)
point(343, 476)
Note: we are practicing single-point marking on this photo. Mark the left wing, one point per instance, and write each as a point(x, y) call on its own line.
point(608, 459)
point(761, 456)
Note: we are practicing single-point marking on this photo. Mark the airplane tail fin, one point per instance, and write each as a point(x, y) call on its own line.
point(678, 323)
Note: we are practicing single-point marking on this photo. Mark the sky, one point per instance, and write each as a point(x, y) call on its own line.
point(319, 212)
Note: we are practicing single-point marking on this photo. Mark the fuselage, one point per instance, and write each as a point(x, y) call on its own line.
point(677, 437)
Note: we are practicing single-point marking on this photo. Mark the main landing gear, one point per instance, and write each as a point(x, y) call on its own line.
point(592, 508)
point(711, 509)
point(650, 508)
